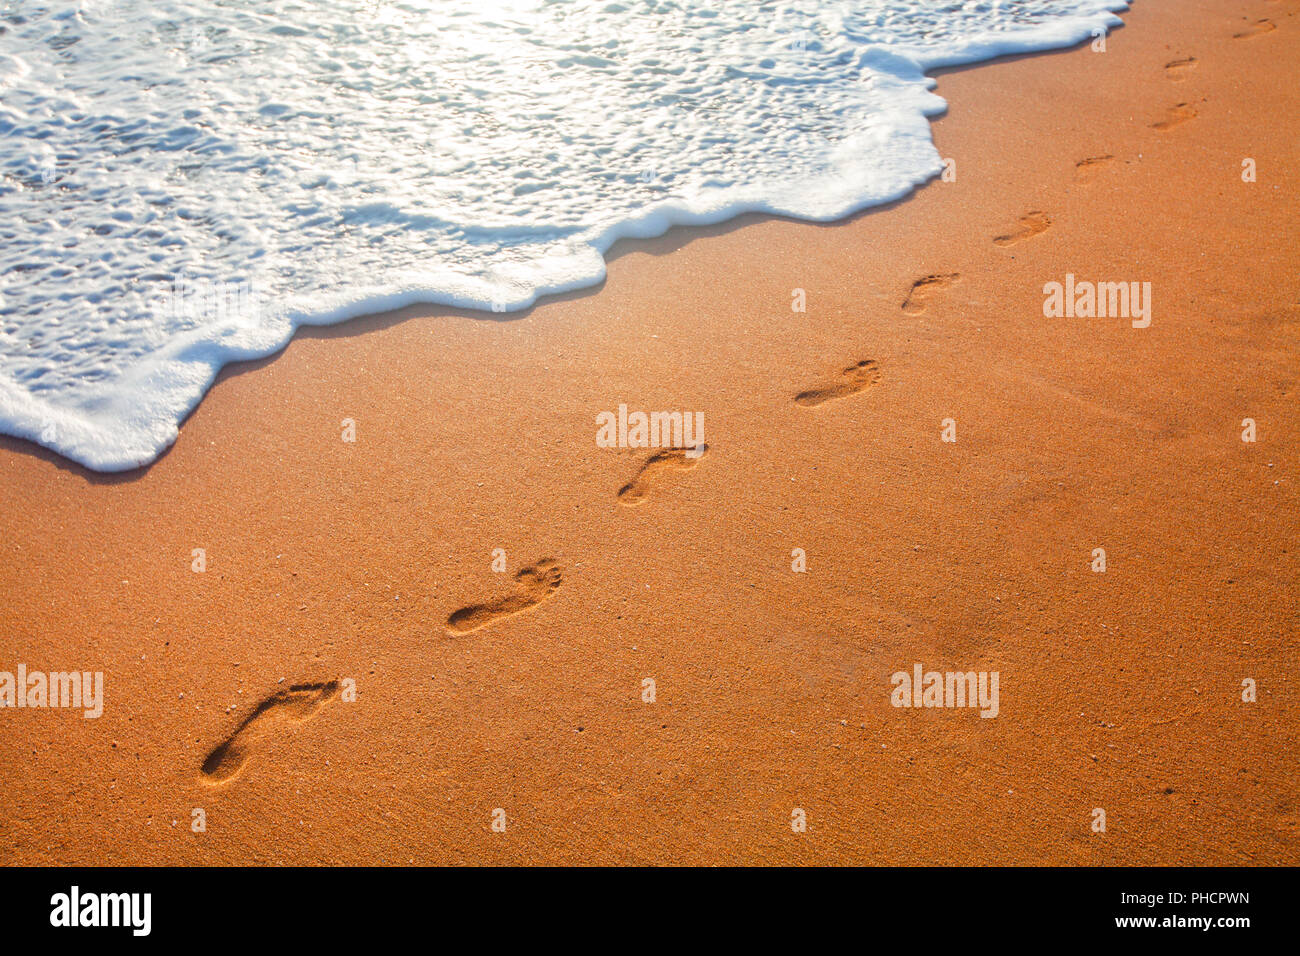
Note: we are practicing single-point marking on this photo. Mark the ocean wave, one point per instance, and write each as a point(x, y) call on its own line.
point(183, 185)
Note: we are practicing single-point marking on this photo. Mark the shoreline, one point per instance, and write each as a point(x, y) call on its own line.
point(159, 394)
point(328, 560)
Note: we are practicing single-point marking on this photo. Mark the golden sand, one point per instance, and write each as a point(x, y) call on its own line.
point(349, 680)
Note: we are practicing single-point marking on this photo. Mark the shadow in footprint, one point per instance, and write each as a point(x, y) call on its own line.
point(299, 703)
point(1255, 29)
point(1178, 69)
point(1031, 224)
point(924, 289)
point(1177, 115)
point(1086, 169)
point(672, 459)
point(854, 379)
point(536, 583)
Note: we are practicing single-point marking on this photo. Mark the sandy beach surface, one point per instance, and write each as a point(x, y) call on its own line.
point(349, 679)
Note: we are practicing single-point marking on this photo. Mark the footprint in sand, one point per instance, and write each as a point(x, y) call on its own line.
point(1031, 224)
point(854, 379)
point(1178, 114)
point(1255, 29)
point(672, 459)
point(1178, 69)
point(1086, 169)
point(299, 703)
point(924, 289)
point(536, 584)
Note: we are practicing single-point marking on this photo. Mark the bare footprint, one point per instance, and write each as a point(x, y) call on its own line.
point(674, 459)
point(1086, 169)
point(924, 289)
point(1178, 69)
point(1255, 29)
point(854, 379)
point(536, 584)
point(299, 703)
point(1031, 224)
point(1177, 115)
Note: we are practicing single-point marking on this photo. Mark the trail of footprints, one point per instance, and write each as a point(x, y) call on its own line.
point(638, 489)
point(281, 711)
point(926, 288)
point(1256, 29)
point(273, 716)
point(534, 585)
point(1031, 224)
point(1086, 169)
point(1176, 115)
point(854, 379)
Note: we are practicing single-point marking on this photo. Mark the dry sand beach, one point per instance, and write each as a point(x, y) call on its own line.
point(333, 565)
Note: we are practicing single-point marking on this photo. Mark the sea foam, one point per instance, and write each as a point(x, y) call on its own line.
point(184, 184)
